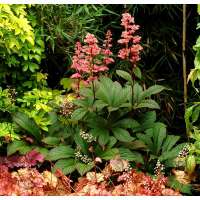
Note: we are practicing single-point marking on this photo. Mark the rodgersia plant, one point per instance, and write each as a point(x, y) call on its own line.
point(114, 113)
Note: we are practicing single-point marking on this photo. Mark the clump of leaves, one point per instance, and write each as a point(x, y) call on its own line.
point(28, 160)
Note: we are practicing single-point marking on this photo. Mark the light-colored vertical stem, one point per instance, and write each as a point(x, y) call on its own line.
point(184, 56)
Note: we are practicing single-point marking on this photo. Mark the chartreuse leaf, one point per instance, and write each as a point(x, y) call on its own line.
point(60, 152)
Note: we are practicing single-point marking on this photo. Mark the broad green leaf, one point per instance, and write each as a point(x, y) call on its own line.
point(137, 93)
point(51, 140)
point(60, 152)
point(137, 72)
point(148, 103)
point(172, 153)
point(159, 134)
point(125, 75)
point(152, 90)
point(129, 155)
point(23, 120)
point(103, 137)
point(109, 153)
point(112, 141)
point(84, 168)
point(122, 135)
point(126, 123)
point(67, 166)
point(81, 142)
point(15, 146)
point(78, 114)
point(169, 142)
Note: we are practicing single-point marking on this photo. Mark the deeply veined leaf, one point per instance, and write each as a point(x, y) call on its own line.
point(23, 120)
point(15, 146)
point(126, 123)
point(122, 135)
point(129, 155)
point(148, 103)
point(159, 134)
point(51, 140)
point(125, 75)
point(81, 142)
point(67, 166)
point(84, 168)
point(112, 141)
point(109, 154)
point(172, 153)
point(137, 93)
point(152, 90)
point(103, 137)
point(78, 114)
point(169, 142)
point(137, 72)
point(60, 152)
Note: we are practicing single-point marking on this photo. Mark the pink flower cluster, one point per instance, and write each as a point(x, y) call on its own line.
point(131, 42)
point(86, 61)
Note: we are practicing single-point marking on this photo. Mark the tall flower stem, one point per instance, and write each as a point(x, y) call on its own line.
point(184, 56)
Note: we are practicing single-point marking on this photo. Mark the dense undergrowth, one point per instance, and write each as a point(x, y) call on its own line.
point(101, 131)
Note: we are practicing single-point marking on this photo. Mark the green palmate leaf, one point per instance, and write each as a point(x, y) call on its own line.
point(172, 153)
point(43, 151)
point(159, 134)
point(125, 75)
point(126, 123)
point(81, 142)
point(129, 155)
point(122, 135)
point(103, 137)
point(169, 142)
point(15, 146)
point(137, 92)
point(84, 168)
point(152, 90)
point(146, 139)
point(67, 166)
point(111, 93)
point(148, 103)
point(51, 140)
point(60, 152)
point(23, 120)
point(112, 141)
point(109, 153)
point(78, 114)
